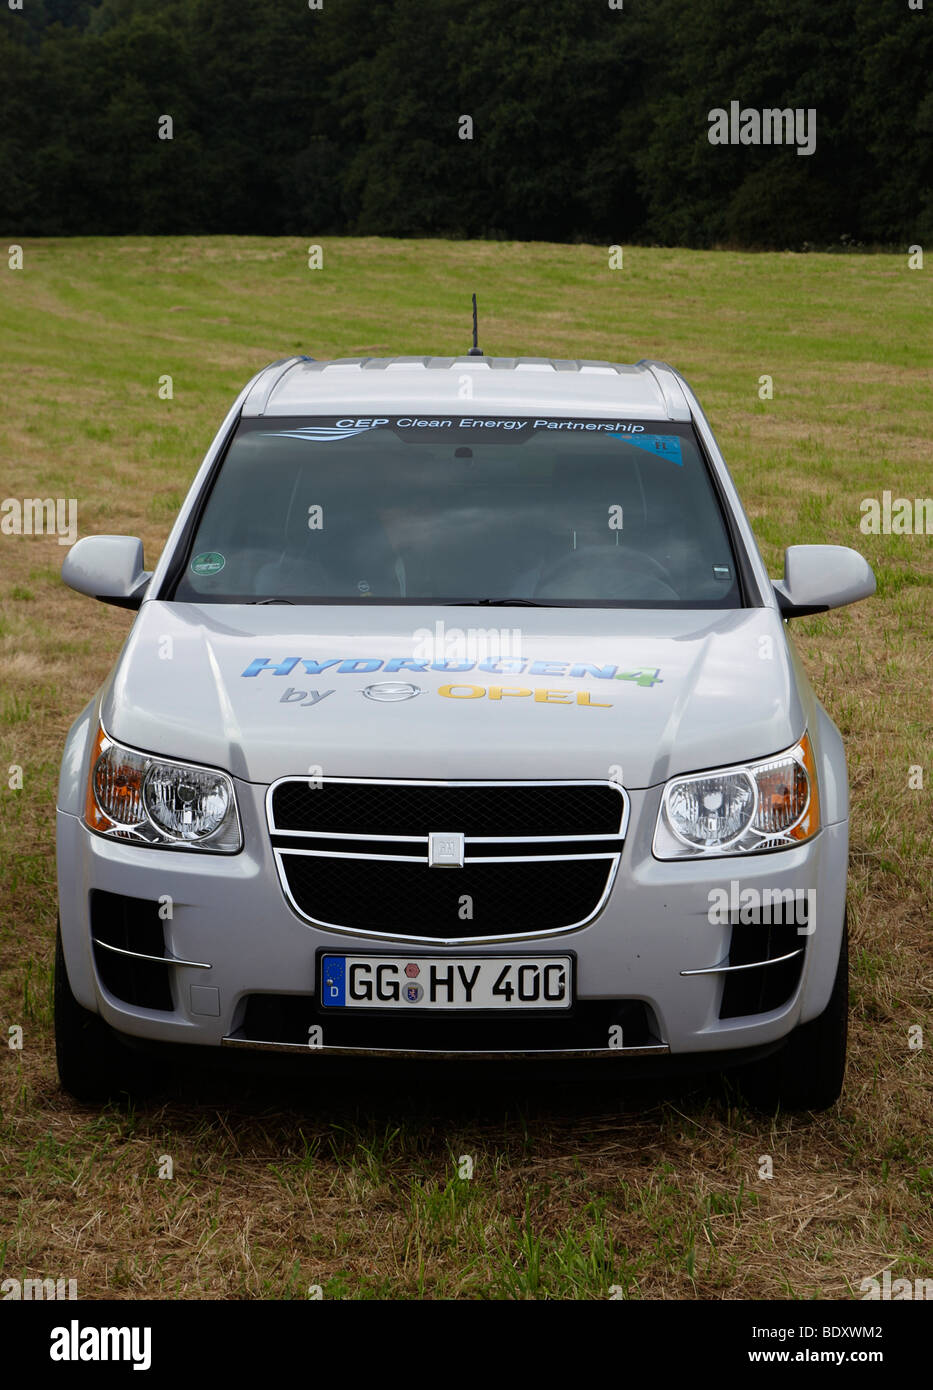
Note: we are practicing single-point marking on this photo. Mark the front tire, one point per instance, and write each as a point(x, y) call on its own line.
point(92, 1064)
point(808, 1072)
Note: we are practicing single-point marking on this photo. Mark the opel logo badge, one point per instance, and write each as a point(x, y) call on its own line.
point(390, 691)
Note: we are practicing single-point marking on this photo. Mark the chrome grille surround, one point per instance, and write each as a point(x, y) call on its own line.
point(560, 847)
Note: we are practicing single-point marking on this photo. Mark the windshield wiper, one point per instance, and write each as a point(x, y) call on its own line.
point(497, 603)
point(448, 603)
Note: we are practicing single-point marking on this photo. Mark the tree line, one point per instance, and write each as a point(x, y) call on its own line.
point(558, 120)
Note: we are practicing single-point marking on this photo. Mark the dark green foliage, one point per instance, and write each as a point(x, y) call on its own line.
point(589, 123)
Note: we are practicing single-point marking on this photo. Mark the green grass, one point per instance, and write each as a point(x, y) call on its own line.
point(583, 1194)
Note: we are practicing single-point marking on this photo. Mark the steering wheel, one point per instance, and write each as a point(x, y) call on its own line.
point(601, 569)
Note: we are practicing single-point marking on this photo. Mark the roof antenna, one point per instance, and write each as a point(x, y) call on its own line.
point(475, 351)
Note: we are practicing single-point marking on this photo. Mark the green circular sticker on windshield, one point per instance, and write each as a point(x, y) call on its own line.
point(208, 563)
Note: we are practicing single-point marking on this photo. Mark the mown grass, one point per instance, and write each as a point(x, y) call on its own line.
point(582, 1194)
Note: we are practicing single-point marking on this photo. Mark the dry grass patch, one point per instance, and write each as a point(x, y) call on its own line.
point(280, 1186)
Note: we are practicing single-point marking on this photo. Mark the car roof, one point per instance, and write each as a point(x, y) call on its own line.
point(467, 385)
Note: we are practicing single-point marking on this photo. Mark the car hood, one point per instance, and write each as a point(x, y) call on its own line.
point(651, 692)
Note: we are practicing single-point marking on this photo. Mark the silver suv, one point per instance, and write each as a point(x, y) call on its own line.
point(458, 719)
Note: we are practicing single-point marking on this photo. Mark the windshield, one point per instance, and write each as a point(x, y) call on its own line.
point(442, 509)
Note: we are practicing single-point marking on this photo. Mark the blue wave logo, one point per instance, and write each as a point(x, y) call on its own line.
point(318, 434)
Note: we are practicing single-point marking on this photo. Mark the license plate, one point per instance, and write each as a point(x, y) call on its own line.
point(447, 982)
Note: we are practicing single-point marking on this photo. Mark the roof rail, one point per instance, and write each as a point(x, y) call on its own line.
point(669, 385)
point(268, 380)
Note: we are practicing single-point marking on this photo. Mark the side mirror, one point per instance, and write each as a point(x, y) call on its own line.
point(818, 577)
point(109, 568)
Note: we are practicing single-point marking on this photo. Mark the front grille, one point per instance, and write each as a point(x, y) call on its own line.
point(494, 809)
point(411, 899)
point(538, 857)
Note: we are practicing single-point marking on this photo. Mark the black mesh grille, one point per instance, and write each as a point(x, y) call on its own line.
point(287, 1018)
point(477, 900)
point(380, 808)
point(415, 900)
point(770, 986)
point(132, 924)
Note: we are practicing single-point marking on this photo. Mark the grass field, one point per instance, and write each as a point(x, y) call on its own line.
point(657, 1195)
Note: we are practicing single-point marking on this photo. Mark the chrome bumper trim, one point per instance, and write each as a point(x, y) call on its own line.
point(158, 960)
point(752, 965)
point(653, 1050)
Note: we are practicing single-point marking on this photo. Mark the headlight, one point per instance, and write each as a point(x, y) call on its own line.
point(132, 796)
point(758, 806)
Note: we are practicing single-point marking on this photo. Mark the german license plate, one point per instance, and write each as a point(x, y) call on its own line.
point(463, 983)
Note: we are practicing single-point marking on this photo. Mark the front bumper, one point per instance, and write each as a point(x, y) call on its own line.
point(234, 937)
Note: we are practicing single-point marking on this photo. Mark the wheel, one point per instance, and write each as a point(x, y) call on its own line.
point(92, 1064)
point(808, 1072)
